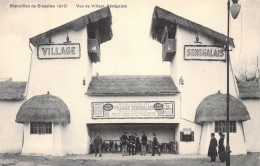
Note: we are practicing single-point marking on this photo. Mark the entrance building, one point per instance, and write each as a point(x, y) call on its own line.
point(66, 106)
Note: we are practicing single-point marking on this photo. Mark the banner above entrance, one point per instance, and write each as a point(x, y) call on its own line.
point(58, 51)
point(204, 52)
point(124, 110)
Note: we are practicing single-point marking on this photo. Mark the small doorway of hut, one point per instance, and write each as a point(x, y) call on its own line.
point(111, 133)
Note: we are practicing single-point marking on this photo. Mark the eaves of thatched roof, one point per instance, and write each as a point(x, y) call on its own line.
point(102, 18)
point(214, 108)
point(43, 108)
point(162, 17)
point(131, 86)
point(249, 89)
point(10, 90)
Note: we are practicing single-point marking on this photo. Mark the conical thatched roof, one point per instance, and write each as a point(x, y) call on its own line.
point(214, 108)
point(101, 18)
point(43, 108)
point(162, 18)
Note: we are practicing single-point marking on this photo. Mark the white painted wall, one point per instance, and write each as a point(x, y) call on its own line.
point(193, 146)
point(63, 78)
point(36, 144)
point(237, 142)
point(11, 133)
point(251, 127)
point(201, 79)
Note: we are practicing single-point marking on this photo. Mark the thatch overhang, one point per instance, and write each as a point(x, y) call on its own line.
point(249, 89)
point(43, 108)
point(102, 19)
point(10, 90)
point(162, 18)
point(214, 108)
point(132, 86)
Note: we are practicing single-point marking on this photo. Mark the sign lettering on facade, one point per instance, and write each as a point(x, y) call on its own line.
point(145, 109)
point(204, 52)
point(58, 51)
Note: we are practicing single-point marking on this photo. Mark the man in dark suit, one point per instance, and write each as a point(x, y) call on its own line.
point(155, 145)
point(212, 152)
point(144, 142)
point(97, 145)
point(124, 141)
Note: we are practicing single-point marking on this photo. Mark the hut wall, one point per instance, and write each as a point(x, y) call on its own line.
point(57, 140)
point(237, 142)
point(207, 129)
point(36, 144)
point(64, 78)
point(11, 133)
point(191, 147)
point(252, 126)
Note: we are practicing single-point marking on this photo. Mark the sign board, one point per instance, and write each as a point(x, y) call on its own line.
point(142, 109)
point(187, 131)
point(204, 52)
point(58, 51)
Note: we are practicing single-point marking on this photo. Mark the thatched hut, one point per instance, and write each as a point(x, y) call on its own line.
point(44, 108)
point(44, 117)
point(249, 92)
point(12, 96)
point(214, 108)
point(212, 115)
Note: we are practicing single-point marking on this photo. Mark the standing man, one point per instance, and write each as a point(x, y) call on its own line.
point(144, 142)
point(155, 145)
point(131, 144)
point(221, 147)
point(97, 144)
point(124, 140)
point(137, 144)
point(212, 152)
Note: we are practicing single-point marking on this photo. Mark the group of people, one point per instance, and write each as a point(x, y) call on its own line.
point(212, 152)
point(132, 144)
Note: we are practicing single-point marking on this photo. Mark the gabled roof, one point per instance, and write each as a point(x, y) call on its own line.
point(43, 108)
point(131, 86)
point(214, 108)
point(162, 17)
point(249, 89)
point(102, 18)
point(12, 90)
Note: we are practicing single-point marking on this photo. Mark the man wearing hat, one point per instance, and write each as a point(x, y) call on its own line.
point(155, 145)
point(97, 144)
point(124, 141)
point(144, 142)
point(221, 147)
point(212, 152)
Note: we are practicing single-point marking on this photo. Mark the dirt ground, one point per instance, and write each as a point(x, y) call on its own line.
point(251, 159)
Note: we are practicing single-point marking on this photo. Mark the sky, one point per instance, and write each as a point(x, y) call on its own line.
point(131, 51)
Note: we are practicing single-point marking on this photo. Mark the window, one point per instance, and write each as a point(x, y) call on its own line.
point(187, 138)
point(41, 127)
point(221, 126)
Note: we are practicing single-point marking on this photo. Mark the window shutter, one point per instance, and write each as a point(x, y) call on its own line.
point(181, 136)
point(192, 136)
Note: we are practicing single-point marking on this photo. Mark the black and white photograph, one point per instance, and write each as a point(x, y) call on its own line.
point(129, 83)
